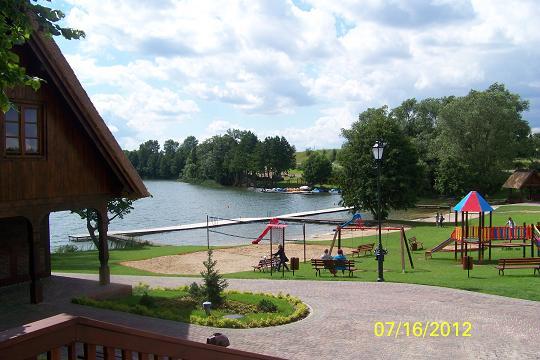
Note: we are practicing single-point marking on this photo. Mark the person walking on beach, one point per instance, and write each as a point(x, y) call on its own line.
point(437, 219)
point(282, 257)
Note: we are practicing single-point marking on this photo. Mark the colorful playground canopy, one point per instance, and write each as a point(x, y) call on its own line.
point(473, 202)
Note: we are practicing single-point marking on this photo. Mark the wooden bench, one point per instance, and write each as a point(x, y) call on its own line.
point(365, 248)
point(265, 264)
point(331, 265)
point(415, 244)
point(519, 263)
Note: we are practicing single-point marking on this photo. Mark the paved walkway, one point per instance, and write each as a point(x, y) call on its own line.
point(341, 325)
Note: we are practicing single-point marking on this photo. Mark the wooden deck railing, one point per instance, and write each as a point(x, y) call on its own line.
point(68, 337)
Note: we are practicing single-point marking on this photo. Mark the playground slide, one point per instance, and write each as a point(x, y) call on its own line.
point(265, 231)
point(439, 247)
point(273, 221)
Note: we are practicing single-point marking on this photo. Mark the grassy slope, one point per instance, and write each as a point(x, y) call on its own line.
point(442, 270)
point(301, 156)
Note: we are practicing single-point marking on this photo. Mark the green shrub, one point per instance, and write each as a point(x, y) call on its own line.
point(197, 292)
point(147, 300)
point(66, 249)
point(214, 283)
point(163, 309)
point(141, 289)
point(267, 306)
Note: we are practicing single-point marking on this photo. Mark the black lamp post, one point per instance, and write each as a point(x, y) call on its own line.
point(378, 149)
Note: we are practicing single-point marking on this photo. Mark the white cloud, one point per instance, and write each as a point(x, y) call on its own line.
point(149, 64)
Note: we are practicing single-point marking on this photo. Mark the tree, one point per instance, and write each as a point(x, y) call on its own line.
point(479, 135)
point(117, 208)
point(333, 155)
point(317, 169)
point(418, 121)
point(399, 169)
point(213, 283)
point(17, 19)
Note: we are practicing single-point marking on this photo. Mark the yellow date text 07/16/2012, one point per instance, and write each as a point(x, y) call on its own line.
point(422, 329)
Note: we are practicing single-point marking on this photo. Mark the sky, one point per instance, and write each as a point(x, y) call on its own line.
point(303, 69)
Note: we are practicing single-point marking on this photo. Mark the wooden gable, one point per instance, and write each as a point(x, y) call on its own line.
point(80, 158)
point(522, 179)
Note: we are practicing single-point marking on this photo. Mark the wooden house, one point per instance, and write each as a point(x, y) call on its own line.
point(56, 153)
point(527, 184)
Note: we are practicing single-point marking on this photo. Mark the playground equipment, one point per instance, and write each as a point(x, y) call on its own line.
point(478, 238)
point(268, 227)
point(356, 223)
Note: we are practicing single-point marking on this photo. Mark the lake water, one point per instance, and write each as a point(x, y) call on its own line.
point(177, 203)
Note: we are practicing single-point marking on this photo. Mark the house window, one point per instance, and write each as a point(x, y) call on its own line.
point(23, 135)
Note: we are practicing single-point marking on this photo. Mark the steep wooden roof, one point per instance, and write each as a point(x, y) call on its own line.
point(61, 73)
point(521, 179)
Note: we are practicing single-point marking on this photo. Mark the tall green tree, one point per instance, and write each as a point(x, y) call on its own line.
point(399, 166)
point(317, 169)
point(16, 27)
point(479, 135)
point(418, 121)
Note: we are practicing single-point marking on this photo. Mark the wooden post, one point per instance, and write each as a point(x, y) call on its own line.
point(524, 241)
point(283, 244)
point(207, 234)
point(34, 241)
point(103, 226)
point(466, 224)
point(339, 238)
point(304, 234)
point(271, 260)
point(479, 238)
point(532, 240)
point(462, 233)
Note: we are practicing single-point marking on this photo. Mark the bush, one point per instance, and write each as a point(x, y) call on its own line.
point(66, 249)
point(147, 300)
point(197, 292)
point(266, 306)
point(141, 289)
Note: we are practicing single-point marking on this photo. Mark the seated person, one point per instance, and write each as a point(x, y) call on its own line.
point(326, 255)
point(339, 256)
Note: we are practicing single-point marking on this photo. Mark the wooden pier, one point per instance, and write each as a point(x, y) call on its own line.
point(203, 225)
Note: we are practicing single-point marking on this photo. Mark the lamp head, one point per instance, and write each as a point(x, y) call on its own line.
point(378, 149)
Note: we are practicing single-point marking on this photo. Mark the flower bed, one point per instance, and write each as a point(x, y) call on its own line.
point(256, 310)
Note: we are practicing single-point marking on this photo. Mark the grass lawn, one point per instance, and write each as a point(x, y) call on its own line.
point(442, 269)
point(88, 261)
point(177, 305)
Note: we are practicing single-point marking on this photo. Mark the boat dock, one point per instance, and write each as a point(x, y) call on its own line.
point(217, 223)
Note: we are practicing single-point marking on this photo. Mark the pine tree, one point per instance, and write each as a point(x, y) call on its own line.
point(214, 283)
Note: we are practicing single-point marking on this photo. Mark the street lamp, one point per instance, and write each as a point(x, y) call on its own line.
point(378, 149)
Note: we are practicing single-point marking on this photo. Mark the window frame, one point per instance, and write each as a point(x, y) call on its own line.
point(21, 107)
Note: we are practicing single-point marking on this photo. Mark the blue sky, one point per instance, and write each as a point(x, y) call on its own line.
point(303, 69)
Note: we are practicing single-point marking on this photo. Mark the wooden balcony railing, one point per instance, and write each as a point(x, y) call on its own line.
point(69, 337)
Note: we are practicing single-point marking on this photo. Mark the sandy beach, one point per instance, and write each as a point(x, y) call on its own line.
point(240, 258)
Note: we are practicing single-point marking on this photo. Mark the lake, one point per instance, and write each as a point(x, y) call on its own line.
point(176, 203)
